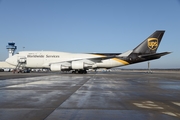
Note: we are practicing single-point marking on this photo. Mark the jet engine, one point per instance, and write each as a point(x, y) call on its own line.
point(77, 65)
point(74, 65)
point(58, 67)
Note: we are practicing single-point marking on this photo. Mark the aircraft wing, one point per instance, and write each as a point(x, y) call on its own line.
point(86, 60)
point(99, 59)
point(106, 54)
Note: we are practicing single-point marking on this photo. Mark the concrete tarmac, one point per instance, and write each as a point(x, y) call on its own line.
point(102, 95)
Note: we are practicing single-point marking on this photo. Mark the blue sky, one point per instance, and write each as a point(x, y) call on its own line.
point(91, 26)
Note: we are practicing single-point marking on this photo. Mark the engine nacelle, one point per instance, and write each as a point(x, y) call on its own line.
point(58, 67)
point(77, 65)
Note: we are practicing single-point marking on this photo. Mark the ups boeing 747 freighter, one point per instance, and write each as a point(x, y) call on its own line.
point(81, 62)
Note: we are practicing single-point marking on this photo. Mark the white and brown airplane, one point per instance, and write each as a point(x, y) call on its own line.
point(81, 62)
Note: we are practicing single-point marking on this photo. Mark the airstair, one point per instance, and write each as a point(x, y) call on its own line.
point(20, 67)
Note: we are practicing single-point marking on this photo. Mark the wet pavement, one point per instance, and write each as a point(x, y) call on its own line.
point(106, 96)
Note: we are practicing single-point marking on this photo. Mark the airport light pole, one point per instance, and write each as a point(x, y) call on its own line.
point(149, 70)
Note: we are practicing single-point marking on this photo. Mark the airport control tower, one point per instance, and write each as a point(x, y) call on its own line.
point(11, 48)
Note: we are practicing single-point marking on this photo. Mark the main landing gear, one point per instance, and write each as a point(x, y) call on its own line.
point(79, 71)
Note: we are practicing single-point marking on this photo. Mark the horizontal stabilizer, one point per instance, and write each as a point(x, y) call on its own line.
point(155, 55)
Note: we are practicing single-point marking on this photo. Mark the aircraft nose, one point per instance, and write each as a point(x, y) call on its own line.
point(11, 60)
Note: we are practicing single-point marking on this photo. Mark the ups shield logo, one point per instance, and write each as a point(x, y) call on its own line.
point(153, 43)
